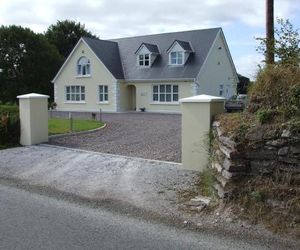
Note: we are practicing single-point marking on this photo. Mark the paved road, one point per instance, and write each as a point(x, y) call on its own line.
point(32, 221)
point(145, 135)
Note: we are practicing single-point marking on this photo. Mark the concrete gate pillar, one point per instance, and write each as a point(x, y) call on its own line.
point(197, 115)
point(33, 110)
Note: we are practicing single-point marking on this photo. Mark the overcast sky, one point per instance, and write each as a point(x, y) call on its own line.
point(241, 20)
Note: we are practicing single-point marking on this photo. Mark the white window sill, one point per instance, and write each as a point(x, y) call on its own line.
point(103, 103)
point(164, 103)
point(75, 102)
point(176, 65)
point(83, 76)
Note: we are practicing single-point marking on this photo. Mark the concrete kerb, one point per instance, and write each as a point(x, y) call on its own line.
point(77, 133)
point(177, 164)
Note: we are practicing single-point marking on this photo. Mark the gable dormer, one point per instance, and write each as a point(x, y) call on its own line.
point(146, 54)
point(179, 52)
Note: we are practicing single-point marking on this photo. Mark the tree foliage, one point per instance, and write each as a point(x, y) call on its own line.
point(28, 62)
point(65, 34)
point(286, 43)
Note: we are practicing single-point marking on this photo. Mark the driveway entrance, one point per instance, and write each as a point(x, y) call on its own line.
point(145, 135)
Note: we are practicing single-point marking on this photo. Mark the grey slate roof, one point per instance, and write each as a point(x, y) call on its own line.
point(108, 53)
point(185, 45)
point(151, 47)
point(121, 52)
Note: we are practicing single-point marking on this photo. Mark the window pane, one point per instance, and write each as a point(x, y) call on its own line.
point(179, 61)
point(162, 88)
point(155, 89)
point(141, 63)
point(77, 97)
point(101, 98)
point(168, 88)
point(155, 97)
point(162, 97)
point(173, 61)
point(82, 89)
point(101, 88)
point(168, 97)
point(68, 89)
point(106, 89)
point(175, 88)
point(173, 55)
point(146, 63)
point(84, 70)
point(77, 89)
point(179, 55)
point(72, 97)
point(87, 69)
point(68, 97)
point(82, 97)
point(141, 57)
point(72, 89)
point(147, 56)
point(175, 97)
point(78, 69)
point(105, 97)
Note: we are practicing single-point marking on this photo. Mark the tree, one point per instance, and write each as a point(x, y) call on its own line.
point(65, 34)
point(28, 62)
point(286, 43)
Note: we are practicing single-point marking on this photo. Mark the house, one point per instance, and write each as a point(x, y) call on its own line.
point(151, 72)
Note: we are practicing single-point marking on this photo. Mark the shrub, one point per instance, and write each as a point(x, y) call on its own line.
point(9, 126)
point(276, 91)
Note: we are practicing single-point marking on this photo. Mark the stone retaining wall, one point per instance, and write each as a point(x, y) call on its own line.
point(260, 153)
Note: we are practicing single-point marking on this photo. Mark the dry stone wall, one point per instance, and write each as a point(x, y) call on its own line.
point(260, 153)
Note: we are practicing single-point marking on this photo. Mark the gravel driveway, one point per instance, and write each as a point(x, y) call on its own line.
point(145, 135)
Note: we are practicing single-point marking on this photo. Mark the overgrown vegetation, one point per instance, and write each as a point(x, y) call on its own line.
point(9, 126)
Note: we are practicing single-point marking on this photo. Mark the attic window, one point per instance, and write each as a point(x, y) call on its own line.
point(176, 58)
point(144, 60)
point(83, 66)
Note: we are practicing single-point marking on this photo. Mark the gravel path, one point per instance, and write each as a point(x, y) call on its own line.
point(150, 136)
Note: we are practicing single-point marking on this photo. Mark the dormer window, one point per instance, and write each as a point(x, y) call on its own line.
point(176, 58)
point(144, 60)
point(146, 55)
point(179, 52)
point(83, 67)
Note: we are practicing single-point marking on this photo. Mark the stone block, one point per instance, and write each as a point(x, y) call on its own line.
point(229, 175)
point(234, 166)
point(262, 166)
point(276, 143)
point(228, 142)
point(217, 166)
point(228, 152)
point(295, 150)
point(283, 151)
point(286, 133)
point(255, 134)
point(262, 154)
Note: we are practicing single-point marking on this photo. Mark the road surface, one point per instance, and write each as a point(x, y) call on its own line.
point(33, 221)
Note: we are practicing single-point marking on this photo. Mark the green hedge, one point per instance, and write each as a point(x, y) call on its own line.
point(9, 126)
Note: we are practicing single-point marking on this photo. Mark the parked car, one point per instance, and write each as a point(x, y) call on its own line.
point(236, 102)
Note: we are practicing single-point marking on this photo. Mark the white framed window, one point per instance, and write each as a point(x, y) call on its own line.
point(103, 93)
point(176, 58)
point(144, 60)
point(221, 89)
point(83, 66)
point(75, 93)
point(165, 93)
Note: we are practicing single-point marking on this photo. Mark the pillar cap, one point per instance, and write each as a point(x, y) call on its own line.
point(202, 98)
point(32, 96)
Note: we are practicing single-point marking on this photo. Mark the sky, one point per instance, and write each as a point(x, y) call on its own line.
point(241, 21)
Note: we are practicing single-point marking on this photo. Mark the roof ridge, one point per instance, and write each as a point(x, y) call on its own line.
point(166, 33)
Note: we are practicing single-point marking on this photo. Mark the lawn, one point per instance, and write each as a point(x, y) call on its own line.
point(61, 126)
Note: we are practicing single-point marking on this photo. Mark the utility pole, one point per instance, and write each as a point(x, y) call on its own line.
point(270, 31)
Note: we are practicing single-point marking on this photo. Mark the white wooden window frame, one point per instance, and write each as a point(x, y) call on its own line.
point(161, 94)
point(103, 93)
point(142, 60)
point(75, 93)
point(179, 56)
point(83, 67)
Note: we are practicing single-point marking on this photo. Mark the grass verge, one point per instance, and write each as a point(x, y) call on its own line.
point(62, 126)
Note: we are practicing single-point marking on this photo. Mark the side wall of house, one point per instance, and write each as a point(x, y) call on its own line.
point(217, 71)
point(99, 76)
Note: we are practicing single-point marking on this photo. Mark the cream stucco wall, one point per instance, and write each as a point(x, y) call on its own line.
point(217, 70)
point(33, 119)
point(197, 114)
point(99, 76)
point(144, 96)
